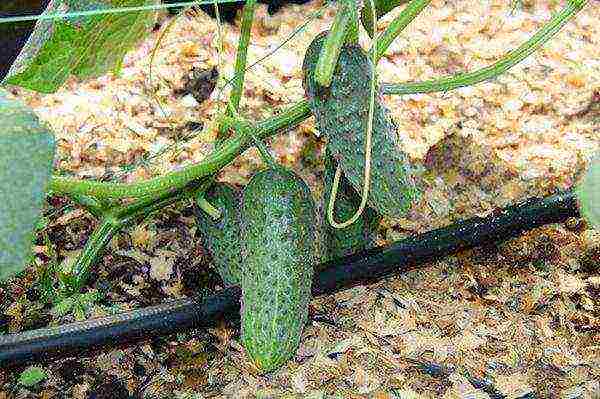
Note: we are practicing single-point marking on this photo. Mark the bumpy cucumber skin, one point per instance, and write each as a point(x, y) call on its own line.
point(341, 113)
point(222, 237)
point(361, 234)
point(278, 231)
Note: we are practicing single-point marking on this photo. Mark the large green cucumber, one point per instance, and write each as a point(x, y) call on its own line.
point(278, 231)
point(356, 237)
point(222, 237)
point(341, 112)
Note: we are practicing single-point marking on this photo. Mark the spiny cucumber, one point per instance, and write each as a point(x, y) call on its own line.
point(341, 112)
point(278, 231)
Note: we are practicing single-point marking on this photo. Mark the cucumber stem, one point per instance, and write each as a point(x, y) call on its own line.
point(330, 51)
point(95, 207)
point(264, 152)
point(207, 207)
point(511, 59)
point(113, 221)
point(100, 238)
point(407, 15)
point(353, 24)
point(218, 159)
point(382, 7)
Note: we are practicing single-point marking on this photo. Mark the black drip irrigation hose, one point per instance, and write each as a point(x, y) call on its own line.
point(372, 265)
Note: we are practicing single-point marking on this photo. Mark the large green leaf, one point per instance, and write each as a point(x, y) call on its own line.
point(84, 46)
point(588, 192)
point(26, 156)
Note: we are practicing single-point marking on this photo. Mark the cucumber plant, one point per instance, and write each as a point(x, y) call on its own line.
point(275, 217)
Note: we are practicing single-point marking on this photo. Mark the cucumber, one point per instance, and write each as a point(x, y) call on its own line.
point(222, 237)
point(356, 237)
point(278, 231)
point(341, 112)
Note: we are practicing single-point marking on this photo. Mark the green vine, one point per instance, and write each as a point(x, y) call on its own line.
point(407, 15)
point(173, 181)
point(242, 54)
point(115, 219)
point(508, 61)
point(297, 113)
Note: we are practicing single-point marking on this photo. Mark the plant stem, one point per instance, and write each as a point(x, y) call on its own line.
point(407, 15)
point(382, 7)
point(334, 41)
point(242, 53)
point(208, 208)
point(94, 247)
point(94, 206)
point(508, 61)
point(263, 151)
point(230, 149)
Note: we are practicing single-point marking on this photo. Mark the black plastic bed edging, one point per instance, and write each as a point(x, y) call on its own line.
point(372, 265)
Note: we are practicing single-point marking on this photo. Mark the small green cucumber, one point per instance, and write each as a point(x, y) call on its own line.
point(341, 113)
point(278, 231)
point(221, 238)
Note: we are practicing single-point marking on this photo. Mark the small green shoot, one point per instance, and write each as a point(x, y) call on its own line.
point(32, 376)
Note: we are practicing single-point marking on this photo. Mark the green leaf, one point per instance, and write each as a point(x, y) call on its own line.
point(84, 46)
point(26, 156)
point(107, 38)
point(51, 67)
point(32, 376)
point(588, 193)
